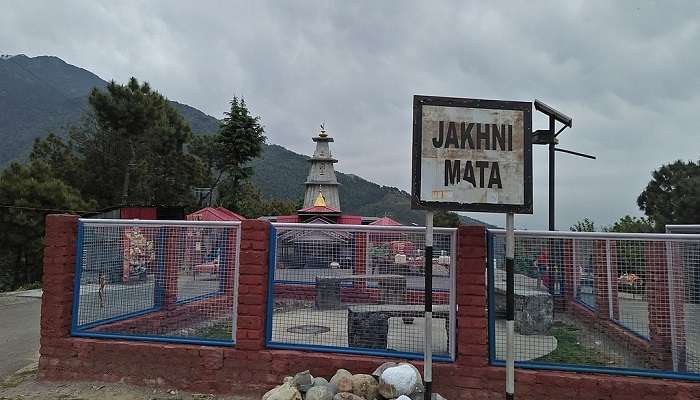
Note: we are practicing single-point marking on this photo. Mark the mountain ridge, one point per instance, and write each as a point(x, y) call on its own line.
point(45, 94)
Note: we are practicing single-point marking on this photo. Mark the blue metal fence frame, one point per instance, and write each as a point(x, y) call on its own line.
point(269, 343)
point(493, 360)
point(76, 281)
point(75, 327)
point(78, 330)
point(222, 278)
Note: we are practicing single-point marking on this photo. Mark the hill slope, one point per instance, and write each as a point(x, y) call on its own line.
point(43, 94)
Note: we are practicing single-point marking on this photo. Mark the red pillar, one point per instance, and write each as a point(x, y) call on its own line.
point(170, 265)
point(472, 334)
point(677, 296)
point(58, 279)
point(360, 258)
point(663, 292)
point(605, 279)
point(252, 285)
point(569, 273)
point(613, 276)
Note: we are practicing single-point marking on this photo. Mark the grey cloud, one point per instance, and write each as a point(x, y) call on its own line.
point(626, 72)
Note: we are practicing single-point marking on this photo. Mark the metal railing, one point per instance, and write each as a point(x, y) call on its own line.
point(172, 281)
point(359, 289)
point(599, 301)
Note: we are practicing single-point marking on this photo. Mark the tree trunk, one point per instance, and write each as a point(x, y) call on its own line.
point(127, 173)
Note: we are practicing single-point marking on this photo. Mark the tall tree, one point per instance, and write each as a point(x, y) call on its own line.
point(252, 204)
point(131, 147)
point(630, 224)
point(584, 225)
point(28, 193)
point(673, 195)
point(239, 140)
point(446, 219)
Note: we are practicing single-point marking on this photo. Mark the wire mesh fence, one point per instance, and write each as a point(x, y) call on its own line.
point(156, 280)
point(360, 288)
point(600, 300)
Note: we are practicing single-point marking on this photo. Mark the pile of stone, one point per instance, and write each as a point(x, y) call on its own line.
point(390, 381)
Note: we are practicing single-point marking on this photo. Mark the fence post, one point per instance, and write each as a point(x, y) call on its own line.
point(170, 271)
point(569, 273)
point(674, 271)
point(253, 288)
point(472, 338)
point(600, 280)
point(58, 282)
point(611, 268)
point(360, 259)
point(658, 299)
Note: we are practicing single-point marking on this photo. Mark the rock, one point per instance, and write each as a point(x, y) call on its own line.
point(319, 381)
point(386, 391)
point(321, 392)
point(364, 386)
point(346, 396)
point(283, 392)
point(404, 378)
point(403, 397)
point(419, 379)
point(269, 392)
point(339, 374)
point(534, 308)
point(378, 372)
point(344, 384)
point(303, 381)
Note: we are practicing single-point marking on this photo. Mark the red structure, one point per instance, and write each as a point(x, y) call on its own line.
point(251, 368)
point(214, 214)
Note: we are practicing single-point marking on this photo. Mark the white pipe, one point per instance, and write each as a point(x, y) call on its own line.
point(356, 228)
point(599, 235)
point(156, 222)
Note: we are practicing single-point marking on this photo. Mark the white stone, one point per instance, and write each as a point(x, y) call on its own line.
point(401, 377)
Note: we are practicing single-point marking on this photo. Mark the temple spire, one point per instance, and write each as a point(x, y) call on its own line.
point(321, 181)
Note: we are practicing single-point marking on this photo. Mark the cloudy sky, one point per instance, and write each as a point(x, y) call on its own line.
point(627, 72)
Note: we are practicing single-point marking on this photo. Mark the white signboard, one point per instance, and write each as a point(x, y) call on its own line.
point(472, 155)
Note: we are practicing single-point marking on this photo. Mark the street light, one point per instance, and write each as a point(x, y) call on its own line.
point(549, 137)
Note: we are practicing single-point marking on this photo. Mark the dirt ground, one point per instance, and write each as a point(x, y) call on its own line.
point(24, 385)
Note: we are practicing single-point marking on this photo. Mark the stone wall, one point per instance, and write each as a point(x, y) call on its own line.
point(250, 368)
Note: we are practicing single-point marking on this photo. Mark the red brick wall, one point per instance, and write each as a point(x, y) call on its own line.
point(250, 368)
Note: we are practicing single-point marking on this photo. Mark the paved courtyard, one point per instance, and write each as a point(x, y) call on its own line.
point(402, 337)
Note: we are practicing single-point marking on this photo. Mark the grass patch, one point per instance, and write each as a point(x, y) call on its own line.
point(220, 330)
point(570, 350)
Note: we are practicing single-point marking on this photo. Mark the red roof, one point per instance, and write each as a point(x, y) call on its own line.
point(385, 221)
point(319, 210)
point(214, 214)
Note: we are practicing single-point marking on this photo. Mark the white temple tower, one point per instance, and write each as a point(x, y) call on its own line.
point(321, 177)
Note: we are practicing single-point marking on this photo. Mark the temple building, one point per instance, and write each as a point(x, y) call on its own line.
point(321, 179)
point(321, 198)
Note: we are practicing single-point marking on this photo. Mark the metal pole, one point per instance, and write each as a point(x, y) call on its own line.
point(510, 307)
point(551, 175)
point(428, 294)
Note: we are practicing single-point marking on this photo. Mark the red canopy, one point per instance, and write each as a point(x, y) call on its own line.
point(214, 214)
point(385, 221)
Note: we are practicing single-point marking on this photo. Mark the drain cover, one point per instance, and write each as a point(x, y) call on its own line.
point(308, 329)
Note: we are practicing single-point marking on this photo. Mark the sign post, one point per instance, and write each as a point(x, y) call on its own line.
point(428, 295)
point(471, 155)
